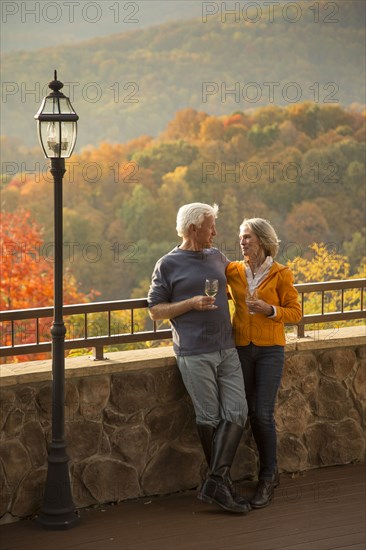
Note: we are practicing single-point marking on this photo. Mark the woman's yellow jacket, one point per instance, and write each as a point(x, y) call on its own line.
point(277, 289)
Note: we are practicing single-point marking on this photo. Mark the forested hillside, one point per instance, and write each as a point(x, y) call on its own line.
point(129, 84)
point(301, 167)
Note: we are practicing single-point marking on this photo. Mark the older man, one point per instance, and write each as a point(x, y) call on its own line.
point(204, 345)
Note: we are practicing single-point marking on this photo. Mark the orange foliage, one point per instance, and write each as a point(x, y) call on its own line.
point(27, 274)
point(27, 266)
point(186, 124)
point(234, 119)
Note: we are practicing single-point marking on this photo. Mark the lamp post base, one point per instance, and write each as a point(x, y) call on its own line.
point(58, 510)
point(68, 520)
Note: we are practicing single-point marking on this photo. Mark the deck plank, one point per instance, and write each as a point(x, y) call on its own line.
point(322, 509)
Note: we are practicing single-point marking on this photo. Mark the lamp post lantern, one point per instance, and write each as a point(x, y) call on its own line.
point(57, 129)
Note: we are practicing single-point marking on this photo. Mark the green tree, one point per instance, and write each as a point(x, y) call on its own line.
point(355, 248)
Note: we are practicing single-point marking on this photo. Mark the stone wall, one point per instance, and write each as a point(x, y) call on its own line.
point(130, 427)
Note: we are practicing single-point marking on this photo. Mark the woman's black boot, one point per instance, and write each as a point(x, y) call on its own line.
point(264, 491)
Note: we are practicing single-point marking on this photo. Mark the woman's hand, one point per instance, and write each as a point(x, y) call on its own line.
point(260, 306)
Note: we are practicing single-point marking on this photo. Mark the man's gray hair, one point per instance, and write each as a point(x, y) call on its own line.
point(194, 213)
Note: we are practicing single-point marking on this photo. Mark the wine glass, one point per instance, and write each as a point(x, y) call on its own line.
point(250, 297)
point(211, 287)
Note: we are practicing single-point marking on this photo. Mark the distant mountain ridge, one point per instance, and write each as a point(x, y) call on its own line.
point(129, 84)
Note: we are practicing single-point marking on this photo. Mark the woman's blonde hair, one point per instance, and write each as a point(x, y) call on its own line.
point(265, 233)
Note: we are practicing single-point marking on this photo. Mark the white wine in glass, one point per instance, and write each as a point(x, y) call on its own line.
point(250, 297)
point(211, 287)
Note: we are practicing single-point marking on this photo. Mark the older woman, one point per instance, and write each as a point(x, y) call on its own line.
point(265, 299)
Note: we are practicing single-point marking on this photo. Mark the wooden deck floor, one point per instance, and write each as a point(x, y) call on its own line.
point(322, 509)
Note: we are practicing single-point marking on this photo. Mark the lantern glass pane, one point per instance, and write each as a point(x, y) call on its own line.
point(57, 105)
point(57, 138)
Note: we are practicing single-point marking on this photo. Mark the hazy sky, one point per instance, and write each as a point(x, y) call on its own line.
point(30, 25)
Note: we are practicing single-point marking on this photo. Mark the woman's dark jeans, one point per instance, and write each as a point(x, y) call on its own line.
point(262, 369)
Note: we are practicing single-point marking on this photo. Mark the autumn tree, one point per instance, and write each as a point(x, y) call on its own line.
point(305, 116)
point(306, 224)
point(212, 128)
point(27, 266)
point(27, 273)
point(263, 137)
point(326, 264)
point(185, 125)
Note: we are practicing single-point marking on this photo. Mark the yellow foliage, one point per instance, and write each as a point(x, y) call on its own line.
point(326, 265)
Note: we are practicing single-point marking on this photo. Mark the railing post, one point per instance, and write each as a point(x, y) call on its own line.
point(300, 331)
point(98, 354)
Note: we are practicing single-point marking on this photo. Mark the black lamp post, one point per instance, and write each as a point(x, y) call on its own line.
point(57, 128)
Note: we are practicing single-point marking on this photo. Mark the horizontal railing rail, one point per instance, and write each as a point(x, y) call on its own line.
point(328, 317)
point(10, 318)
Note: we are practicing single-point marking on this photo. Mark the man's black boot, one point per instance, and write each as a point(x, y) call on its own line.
point(206, 434)
point(217, 487)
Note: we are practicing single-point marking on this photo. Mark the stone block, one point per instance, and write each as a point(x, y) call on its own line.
point(83, 438)
point(172, 469)
point(245, 463)
point(113, 418)
point(292, 413)
point(332, 400)
point(132, 391)
point(332, 443)
point(7, 403)
point(359, 381)
point(110, 480)
point(169, 384)
point(94, 396)
point(29, 496)
point(292, 455)
point(71, 401)
point(309, 384)
point(15, 460)
point(297, 367)
point(5, 492)
point(68, 409)
point(14, 423)
point(26, 398)
point(44, 400)
point(80, 494)
point(167, 421)
point(131, 442)
point(105, 445)
point(337, 363)
point(189, 435)
point(34, 440)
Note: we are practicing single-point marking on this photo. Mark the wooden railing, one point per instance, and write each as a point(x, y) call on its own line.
point(12, 331)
